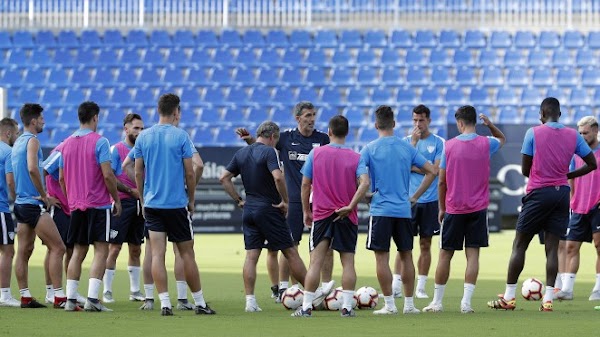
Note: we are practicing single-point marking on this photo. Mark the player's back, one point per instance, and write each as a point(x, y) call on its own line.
point(253, 163)
point(5, 166)
point(25, 190)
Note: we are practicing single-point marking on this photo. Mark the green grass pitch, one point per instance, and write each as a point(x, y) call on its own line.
point(220, 258)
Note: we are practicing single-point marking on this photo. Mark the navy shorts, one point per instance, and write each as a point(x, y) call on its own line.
point(342, 234)
point(383, 228)
point(89, 226)
point(176, 222)
point(546, 209)
point(424, 219)
point(295, 220)
point(265, 227)
point(470, 229)
point(28, 214)
point(7, 229)
point(583, 226)
point(129, 227)
point(63, 222)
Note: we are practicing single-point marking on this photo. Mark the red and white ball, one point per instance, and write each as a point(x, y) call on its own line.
point(292, 298)
point(367, 297)
point(532, 289)
point(335, 300)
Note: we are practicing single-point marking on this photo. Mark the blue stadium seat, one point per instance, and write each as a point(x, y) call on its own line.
point(75, 97)
point(184, 38)
point(449, 39)
point(492, 77)
point(518, 77)
point(309, 94)
point(259, 115)
point(479, 97)
point(161, 38)
point(401, 39)
point(277, 39)
point(543, 77)
point(253, 38)
point(153, 57)
point(29, 95)
point(579, 96)
point(231, 39)
point(506, 96)
point(136, 37)
point(531, 115)
point(224, 57)
point(269, 77)
point(130, 56)
point(177, 56)
point(98, 95)
point(455, 95)
point(82, 76)
point(368, 134)
point(107, 57)
point(531, 96)
point(585, 58)
point(538, 58)
point(375, 38)
point(514, 58)
point(343, 77)
point(261, 96)
point(558, 93)
point(238, 96)
point(90, 38)
point(36, 76)
point(316, 77)
point(391, 57)
point(368, 77)
point(568, 77)
point(317, 57)
point(596, 95)
point(18, 57)
point(207, 38)
point(431, 96)
point(367, 57)
point(45, 38)
point(68, 38)
point(488, 57)
point(127, 76)
point(5, 42)
point(466, 76)
point(144, 95)
point(474, 39)
point(351, 38)
point(355, 115)
point(549, 39)
point(223, 76)
point(214, 96)
point(509, 115)
point(573, 39)
point(382, 96)
point(60, 134)
point(40, 57)
point(292, 57)
point(114, 118)
point(501, 39)
point(204, 137)
point(325, 114)
point(58, 77)
point(63, 57)
point(292, 77)
point(121, 96)
point(113, 38)
point(581, 111)
point(325, 38)
point(392, 76)
point(201, 57)
point(22, 39)
point(440, 57)
point(463, 57)
point(415, 57)
point(425, 39)
point(85, 56)
point(525, 39)
point(52, 96)
point(284, 95)
point(245, 77)
point(416, 76)
point(562, 58)
point(269, 57)
point(343, 58)
point(12, 77)
point(301, 39)
point(593, 40)
point(233, 116)
point(441, 76)
point(406, 95)
point(190, 95)
point(113, 135)
point(332, 96)
point(590, 77)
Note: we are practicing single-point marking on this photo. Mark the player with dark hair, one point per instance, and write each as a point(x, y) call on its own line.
point(463, 200)
point(547, 152)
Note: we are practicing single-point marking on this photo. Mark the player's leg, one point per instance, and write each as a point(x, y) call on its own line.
point(573, 249)
point(562, 264)
point(273, 271)
point(147, 275)
point(423, 265)
point(49, 287)
point(181, 284)
point(378, 241)
point(296, 225)
point(25, 245)
point(296, 265)
point(249, 274)
point(595, 296)
point(348, 282)
point(134, 269)
point(158, 244)
point(100, 222)
point(397, 277)
point(476, 237)
point(114, 249)
point(471, 273)
point(7, 252)
point(48, 232)
point(327, 272)
point(551, 245)
point(97, 269)
point(311, 281)
point(78, 235)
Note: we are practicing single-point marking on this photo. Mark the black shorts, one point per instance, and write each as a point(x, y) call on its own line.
point(470, 229)
point(265, 226)
point(547, 209)
point(176, 222)
point(63, 222)
point(342, 234)
point(28, 214)
point(129, 227)
point(383, 228)
point(583, 226)
point(7, 229)
point(89, 226)
point(295, 220)
point(424, 219)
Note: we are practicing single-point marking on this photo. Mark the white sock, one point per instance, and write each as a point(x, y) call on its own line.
point(597, 285)
point(283, 285)
point(165, 301)
point(198, 297)
point(438, 293)
point(25, 292)
point(5, 294)
point(149, 290)
point(558, 284)
point(549, 295)
point(390, 303)
point(348, 299)
point(58, 292)
point(94, 288)
point(134, 278)
point(409, 302)
point(568, 282)
point(181, 290)
point(250, 299)
point(49, 291)
point(396, 283)
point(421, 280)
point(309, 296)
point(296, 285)
point(72, 286)
point(469, 288)
point(109, 275)
point(509, 292)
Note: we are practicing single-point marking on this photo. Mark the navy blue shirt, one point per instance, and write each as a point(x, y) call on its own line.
point(255, 163)
point(294, 149)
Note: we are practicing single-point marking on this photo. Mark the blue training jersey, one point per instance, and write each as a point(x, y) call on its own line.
point(163, 147)
point(5, 168)
point(389, 160)
point(293, 149)
point(26, 192)
point(431, 148)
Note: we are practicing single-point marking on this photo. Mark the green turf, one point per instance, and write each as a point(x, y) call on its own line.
point(220, 258)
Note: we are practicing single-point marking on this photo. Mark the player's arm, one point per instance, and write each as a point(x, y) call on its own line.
point(442, 188)
point(226, 181)
point(589, 166)
point(139, 178)
point(111, 185)
point(33, 169)
point(198, 166)
point(61, 180)
point(190, 182)
point(496, 133)
point(280, 185)
point(245, 135)
point(416, 169)
point(431, 172)
point(10, 182)
point(129, 167)
point(305, 197)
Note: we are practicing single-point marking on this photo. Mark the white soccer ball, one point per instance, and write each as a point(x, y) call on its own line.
point(292, 298)
point(335, 300)
point(367, 297)
point(532, 289)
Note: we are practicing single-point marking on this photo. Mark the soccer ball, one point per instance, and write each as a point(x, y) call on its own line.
point(335, 300)
point(367, 297)
point(292, 298)
point(532, 289)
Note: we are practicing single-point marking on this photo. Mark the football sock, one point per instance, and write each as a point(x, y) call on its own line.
point(396, 283)
point(467, 294)
point(250, 300)
point(181, 290)
point(72, 286)
point(58, 292)
point(597, 285)
point(389, 301)
point(149, 290)
point(309, 296)
point(509, 292)
point(348, 299)
point(568, 282)
point(558, 284)
point(421, 280)
point(165, 301)
point(25, 292)
point(198, 297)
point(49, 291)
point(438, 293)
point(296, 285)
point(5, 294)
point(283, 285)
point(134, 278)
point(548, 296)
point(94, 288)
point(409, 302)
point(109, 275)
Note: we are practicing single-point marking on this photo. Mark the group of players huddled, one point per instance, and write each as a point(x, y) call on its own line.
point(89, 193)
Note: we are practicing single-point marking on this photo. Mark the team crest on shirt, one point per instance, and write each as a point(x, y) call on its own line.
point(316, 145)
point(11, 235)
point(113, 233)
point(430, 148)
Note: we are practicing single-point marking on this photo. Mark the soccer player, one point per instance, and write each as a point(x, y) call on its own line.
point(584, 224)
point(463, 200)
point(332, 171)
point(30, 208)
point(9, 131)
point(547, 152)
point(265, 207)
point(88, 181)
point(294, 146)
point(129, 227)
point(424, 212)
point(389, 160)
point(163, 159)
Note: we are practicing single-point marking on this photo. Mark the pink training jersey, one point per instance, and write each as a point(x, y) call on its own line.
point(54, 189)
point(83, 175)
point(467, 175)
point(334, 181)
point(554, 148)
point(586, 188)
point(123, 151)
